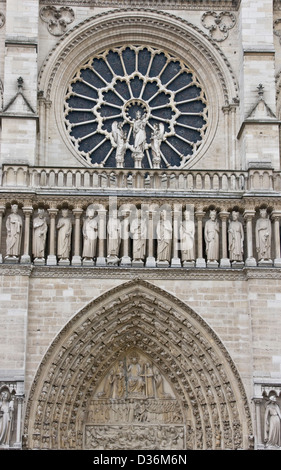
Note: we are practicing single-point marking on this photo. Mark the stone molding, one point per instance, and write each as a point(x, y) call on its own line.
point(200, 369)
point(165, 4)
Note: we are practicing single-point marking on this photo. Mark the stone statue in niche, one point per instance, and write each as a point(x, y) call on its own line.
point(64, 227)
point(235, 238)
point(90, 231)
point(187, 231)
point(14, 233)
point(6, 415)
point(40, 229)
point(139, 234)
point(156, 139)
point(113, 238)
point(263, 236)
point(211, 234)
point(120, 139)
point(272, 424)
point(164, 238)
point(139, 135)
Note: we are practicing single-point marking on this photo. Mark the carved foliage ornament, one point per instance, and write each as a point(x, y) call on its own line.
point(57, 18)
point(218, 24)
point(2, 19)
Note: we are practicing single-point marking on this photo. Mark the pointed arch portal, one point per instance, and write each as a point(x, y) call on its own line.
point(137, 369)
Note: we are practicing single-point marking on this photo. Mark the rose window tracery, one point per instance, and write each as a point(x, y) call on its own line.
point(136, 106)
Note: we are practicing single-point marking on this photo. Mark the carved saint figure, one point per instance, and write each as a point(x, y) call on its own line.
point(120, 139)
point(139, 233)
point(235, 238)
point(114, 235)
point(14, 232)
point(187, 230)
point(272, 426)
point(156, 138)
point(39, 234)
point(211, 234)
point(135, 381)
point(64, 227)
point(89, 231)
point(139, 135)
point(263, 236)
point(164, 238)
point(6, 414)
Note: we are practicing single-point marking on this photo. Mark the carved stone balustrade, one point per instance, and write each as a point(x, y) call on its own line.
point(95, 180)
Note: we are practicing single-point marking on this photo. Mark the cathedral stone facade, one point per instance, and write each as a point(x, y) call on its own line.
point(140, 224)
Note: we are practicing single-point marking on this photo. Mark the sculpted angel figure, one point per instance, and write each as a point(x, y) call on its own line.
point(120, 139)
point(14, 232)
point(156, 138)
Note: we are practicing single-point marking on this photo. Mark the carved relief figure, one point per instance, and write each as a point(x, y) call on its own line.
point(211, 234)
point(89, 230)
point(39, 234)
point(120, 139)
point(164, 238)
point(272, 423)
point(64, 227)
point(156, 138)
point(139, 233)
point(14, 232)
point(263, 236)
point(139, 135)
point(235, 238)
point(114, 235)
point(135, 380)
point(6, 414)
point(187, 230)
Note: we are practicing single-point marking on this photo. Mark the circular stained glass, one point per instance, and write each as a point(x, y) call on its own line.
point(136, 106)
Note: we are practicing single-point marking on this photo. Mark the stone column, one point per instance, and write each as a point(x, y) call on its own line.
point(224, 262)
point(260, 441)
point(26, 255)
point(76, 259)
point(200, 261)
point(2, 212)
point(150, 260)
point(175, 261)
point(275, 215)
point(125, 260)
point(249, 215)
point(101, 258)
point(20, 401)
point(52, 259)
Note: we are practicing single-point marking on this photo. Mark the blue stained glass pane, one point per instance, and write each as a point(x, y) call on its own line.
point(101, 68)
point(193, 121)
point(188, 134)
point(180, 81)
point(81, 131)
point(77, 102)
point(76, 117)
point(150, 90)
point(106, 111)
point(89, 144)
point(136, 86)
point(181, 146)
point(111, 97)
point(164, 113)
point(101, 152)
point(84, 89)
point(115, 63)
point(90, 77)
point(192, 107)
point(170, 71)
point(143, 60)
point(129, 59)
point(188, 93)
point(122, 88)
point(158, 63)
point(160, 100)
point(172, 157)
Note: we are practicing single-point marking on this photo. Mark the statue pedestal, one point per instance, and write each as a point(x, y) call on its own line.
point(11, 259)
point(265, 262)
point(39, 262)
point(212, 264)
point(51, 260)
point(150, 262)
point(125, 261)
point(162, 264)
point(112, 260)
point(64, 262)
point(76, 261)
point(175, 263)
point(237, 264)
point(88, 262)
point(137, 263)
point(200, 263)
point(100, 261)
point(277, 262)
point(188, 264)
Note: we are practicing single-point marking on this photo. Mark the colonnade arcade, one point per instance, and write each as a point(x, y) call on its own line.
point(119, 232)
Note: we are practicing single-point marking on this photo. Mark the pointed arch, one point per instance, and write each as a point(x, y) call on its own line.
point(138, 317)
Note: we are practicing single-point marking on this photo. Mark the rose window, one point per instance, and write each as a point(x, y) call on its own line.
point(136, 107)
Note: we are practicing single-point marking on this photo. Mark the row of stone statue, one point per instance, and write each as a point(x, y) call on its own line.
point(164, 235)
